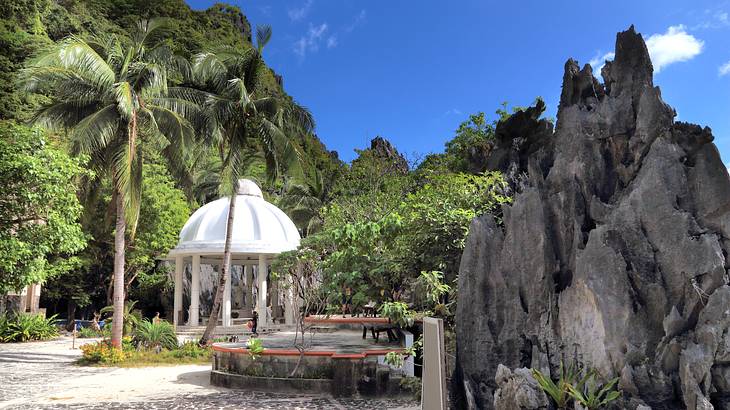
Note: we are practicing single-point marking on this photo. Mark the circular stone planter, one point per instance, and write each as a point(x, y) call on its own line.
point(328, 372)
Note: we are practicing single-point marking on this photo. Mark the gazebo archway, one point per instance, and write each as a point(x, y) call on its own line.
point(260, 232)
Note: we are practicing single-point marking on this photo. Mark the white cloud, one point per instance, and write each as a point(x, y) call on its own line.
point(359, 19)
point(674, 46)
point(718, 19)
point(310, 42)
point(599, 61)
point(332, 41)
point(297, 14)
point(724, 69)
point(453, 111)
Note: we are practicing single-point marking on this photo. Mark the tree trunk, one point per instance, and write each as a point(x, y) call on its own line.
point(70, 315)
point(118, 318)
point(213, 318)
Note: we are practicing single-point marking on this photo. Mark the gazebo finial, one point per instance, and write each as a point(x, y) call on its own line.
point(248, 187)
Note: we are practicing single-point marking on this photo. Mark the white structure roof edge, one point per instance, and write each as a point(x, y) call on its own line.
point(259, 227)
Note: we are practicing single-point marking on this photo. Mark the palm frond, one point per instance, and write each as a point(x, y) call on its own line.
point(124, 95)
point(95, 132)
point(263, 36)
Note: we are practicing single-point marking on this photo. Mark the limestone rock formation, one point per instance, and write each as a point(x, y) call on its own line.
point(518, 390)
point(383, 149)
point(614, 252)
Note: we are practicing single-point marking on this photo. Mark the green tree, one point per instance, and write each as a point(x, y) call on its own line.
point(242, 120)
point(106, 93)
point(39, 211)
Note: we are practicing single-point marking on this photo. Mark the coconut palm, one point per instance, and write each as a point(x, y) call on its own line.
point(303, 201)
point(243, 119)
point(106, 94)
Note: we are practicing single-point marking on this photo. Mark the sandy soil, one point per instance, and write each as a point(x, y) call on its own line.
point(44, 375)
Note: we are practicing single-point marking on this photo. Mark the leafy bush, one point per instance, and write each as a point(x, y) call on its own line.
point(593, 395)
point(398, 313)
point(130, 317)
point(103, 352)
point(558, 391)
point(255, 347)
point(584, 390)
point(155, 335)
point(24, 327)
point(191, 350)
point(87, 333)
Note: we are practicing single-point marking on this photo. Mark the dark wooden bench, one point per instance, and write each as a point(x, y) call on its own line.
point(377, 328)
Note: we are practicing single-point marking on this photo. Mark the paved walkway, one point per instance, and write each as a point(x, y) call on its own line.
point(42, 375)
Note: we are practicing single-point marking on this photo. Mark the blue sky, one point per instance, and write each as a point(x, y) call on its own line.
point(412, 71)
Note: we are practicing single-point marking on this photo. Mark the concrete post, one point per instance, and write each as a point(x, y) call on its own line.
point(195, 292)
point(261, 306)
point(433, 390)
point(178, 300)
point(227, 298)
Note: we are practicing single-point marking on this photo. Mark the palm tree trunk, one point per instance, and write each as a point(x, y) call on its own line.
point(118, 317)
point(213, 319)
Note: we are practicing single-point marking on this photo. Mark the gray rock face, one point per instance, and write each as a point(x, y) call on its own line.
point(613, 253)
point(518, 390)
point(384, 150)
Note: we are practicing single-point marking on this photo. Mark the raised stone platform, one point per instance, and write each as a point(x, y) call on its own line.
point(341, 363)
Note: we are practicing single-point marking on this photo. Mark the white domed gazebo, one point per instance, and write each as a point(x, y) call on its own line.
point(260, 231)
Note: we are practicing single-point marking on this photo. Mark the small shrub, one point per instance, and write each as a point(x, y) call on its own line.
point(25, 327)
point(255, 347)
point(152, 335)
point(130, 317)
point(103, 352)
point(398, 313)
point(191, 350)
point(558, 391)
point(394, 359)
point(87, 333)
point(412, 384)
point(593, 395)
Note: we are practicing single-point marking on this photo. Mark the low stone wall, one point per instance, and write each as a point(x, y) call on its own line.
point(357, 374)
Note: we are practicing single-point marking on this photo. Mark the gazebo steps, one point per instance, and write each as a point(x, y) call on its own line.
point(225, 330)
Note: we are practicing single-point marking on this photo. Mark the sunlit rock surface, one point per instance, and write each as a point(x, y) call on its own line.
point(614, 251)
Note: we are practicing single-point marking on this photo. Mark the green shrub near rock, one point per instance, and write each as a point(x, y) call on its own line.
point(26, 327)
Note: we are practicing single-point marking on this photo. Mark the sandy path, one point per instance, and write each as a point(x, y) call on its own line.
point(43, 375)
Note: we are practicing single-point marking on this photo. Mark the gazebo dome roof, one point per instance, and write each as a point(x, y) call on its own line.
point(259, 227)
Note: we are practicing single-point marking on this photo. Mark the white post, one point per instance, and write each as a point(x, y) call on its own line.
point(177, 305)
point(227, 298)
point(195, 292)
point(433, 390)
point(261, 302)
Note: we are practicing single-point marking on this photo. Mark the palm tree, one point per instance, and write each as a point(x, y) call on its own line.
point(304, 200)
point(242, 120)
point(106, 93)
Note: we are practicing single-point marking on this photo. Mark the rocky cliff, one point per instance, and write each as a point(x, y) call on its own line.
point(613, 253)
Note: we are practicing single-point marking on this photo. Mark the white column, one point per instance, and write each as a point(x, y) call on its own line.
point(227, 298)
point(261, 302)
point(195, 292)
point(178, 301)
